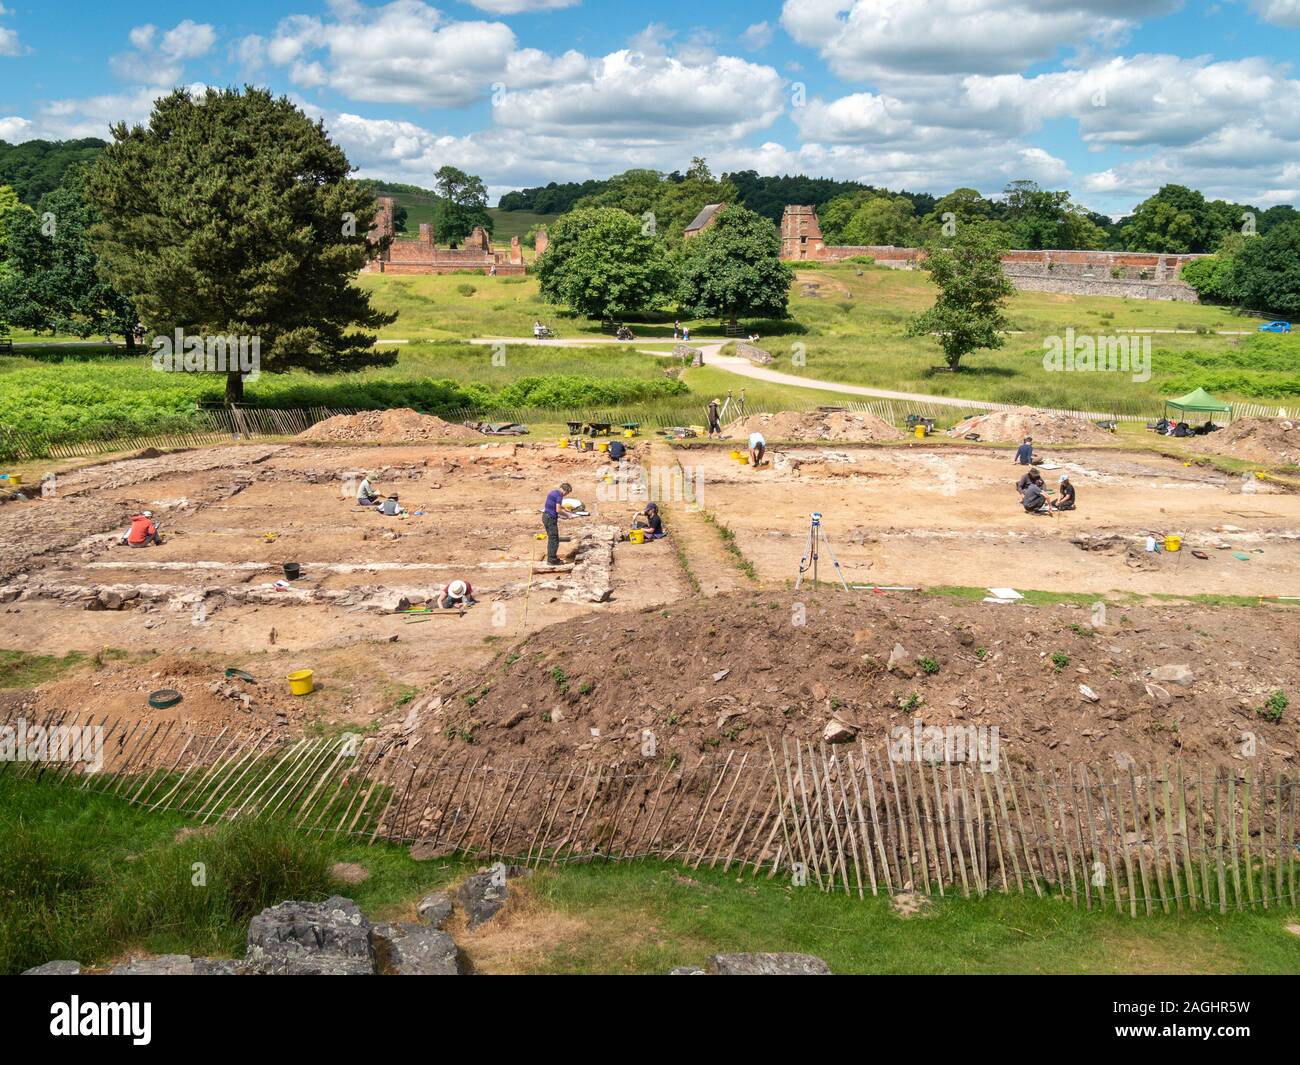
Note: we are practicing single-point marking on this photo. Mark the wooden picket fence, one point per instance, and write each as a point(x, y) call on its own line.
point(840, 818)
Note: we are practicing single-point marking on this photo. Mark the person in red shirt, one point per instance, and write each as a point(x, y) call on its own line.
point(143, 531)
point(457, 594)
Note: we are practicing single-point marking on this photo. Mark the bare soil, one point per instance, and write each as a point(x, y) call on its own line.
point(398, 426)
point(814, 426)
point(1044, 426)
point(1275, 441)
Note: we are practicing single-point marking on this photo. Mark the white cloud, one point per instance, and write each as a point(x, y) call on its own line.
point(15, 129)
point(160, 61)
point(517, 7)
point(1285, 13)
point(874, 39)
point(757, 37)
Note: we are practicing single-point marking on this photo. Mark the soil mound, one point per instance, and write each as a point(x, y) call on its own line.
point(1012, 426)
point(838, 425)
point(400, 425)
point(1271, 440)
point(732, 672)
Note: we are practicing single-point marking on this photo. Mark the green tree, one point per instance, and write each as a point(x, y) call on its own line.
point(603, 263)
point(462, 205)
point(232, 214)
point(1042, 218)
point(734, 268)
point(51, 282)
point(968, 314)
point(1266, 272)
point(883, 220)
point(1177, 220)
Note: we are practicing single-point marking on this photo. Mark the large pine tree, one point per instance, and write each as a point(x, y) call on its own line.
point(232, 214)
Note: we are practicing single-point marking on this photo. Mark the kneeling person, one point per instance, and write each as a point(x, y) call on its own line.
point(143, 531)
point(456, 595)
point(1067, 498)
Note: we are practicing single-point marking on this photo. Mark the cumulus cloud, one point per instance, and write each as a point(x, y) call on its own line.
point(1284, 13)
point(874, 39)
point(518, 7)
point(10, 45)
point(757, 37)
point(159, 59)
point(407, 52)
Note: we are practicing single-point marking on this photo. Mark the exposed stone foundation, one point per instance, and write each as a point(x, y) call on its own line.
point(423, 256)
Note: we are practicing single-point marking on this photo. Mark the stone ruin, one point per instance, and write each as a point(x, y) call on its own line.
point(424, 256)
point(1141, 275)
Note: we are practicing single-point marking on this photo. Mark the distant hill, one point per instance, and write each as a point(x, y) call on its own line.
point(34, 168)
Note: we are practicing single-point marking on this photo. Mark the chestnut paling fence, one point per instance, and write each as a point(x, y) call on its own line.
point(1142, 840)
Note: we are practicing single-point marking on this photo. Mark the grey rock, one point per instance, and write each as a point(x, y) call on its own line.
point(686, 970)
point(330, 938)
point(767, 965)
point(176, 965)
point(836, 731)
point(415, 950)
point(1173, 675)
point(434, 909)
point(482, 895)
point(55, 968)
point(898, 661)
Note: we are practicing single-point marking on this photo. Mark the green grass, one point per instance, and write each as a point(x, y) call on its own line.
point(21, 669)
point(88, 877)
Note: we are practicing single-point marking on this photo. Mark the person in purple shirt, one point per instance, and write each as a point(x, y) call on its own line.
point(551, 513)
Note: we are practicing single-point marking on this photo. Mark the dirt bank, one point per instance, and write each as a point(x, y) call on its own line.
point(843, 426)
point(398, 426)
point(1012, 426)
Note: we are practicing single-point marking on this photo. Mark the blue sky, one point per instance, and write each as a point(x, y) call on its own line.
point(1108, 98)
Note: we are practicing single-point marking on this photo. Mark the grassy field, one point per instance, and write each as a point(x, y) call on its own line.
point(848, 322)
point(89, 877)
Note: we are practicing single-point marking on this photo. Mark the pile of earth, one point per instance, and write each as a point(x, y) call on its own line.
point(813, 425)
point(1271, 440)
point(1044, 426)
point(119, 690)
point(739, 670)
point(401, 425)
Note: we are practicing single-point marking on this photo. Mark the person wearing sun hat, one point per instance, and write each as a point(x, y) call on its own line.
point(456, 595)
point(715, 422)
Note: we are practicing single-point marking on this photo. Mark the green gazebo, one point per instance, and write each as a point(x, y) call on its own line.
point(1198, 401)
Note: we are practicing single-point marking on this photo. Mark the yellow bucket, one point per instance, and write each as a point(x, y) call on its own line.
point(300, 682)
point(743, 459)
point(629, 433)
point(636, 536)
point(11, 479)
point(1173, 543)
point(920, 432)
point(563, 442)
point(603, 446)
point(735, 456)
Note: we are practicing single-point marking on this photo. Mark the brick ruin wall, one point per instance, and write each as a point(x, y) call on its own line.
point(1138, 275)
point(423, 256)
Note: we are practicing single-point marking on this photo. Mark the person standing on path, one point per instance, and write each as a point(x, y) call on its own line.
point(551, 512)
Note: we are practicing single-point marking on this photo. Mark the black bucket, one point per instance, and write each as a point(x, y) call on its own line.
point(291, 571)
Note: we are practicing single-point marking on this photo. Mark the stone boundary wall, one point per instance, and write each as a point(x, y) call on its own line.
point(1138, 275)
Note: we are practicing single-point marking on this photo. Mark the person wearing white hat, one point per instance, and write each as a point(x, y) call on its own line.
point(1065, 499)
point(456, 595)
point(143, 531)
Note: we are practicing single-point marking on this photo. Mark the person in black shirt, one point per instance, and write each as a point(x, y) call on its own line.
point(652, 522)
point(1031, 477)
point(1067, 498)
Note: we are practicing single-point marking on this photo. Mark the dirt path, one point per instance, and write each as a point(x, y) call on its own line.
point(710, 563)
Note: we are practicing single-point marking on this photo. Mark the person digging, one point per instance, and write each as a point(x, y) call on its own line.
point(1025, 453)
point(1066, 498)
point(366, 494)
point(651, 521)
point(391, 508)
point(144, 531)
point(455, 596)
point(757, 449)
point(1034, 500)
point(1032, 476)
point(552, 511)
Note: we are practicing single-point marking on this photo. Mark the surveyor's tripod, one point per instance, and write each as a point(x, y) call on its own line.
point(817, 538)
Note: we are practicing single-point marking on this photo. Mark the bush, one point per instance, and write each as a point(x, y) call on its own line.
point(466, 290)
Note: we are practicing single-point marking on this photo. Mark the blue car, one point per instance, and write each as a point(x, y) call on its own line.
point(1275, 327)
